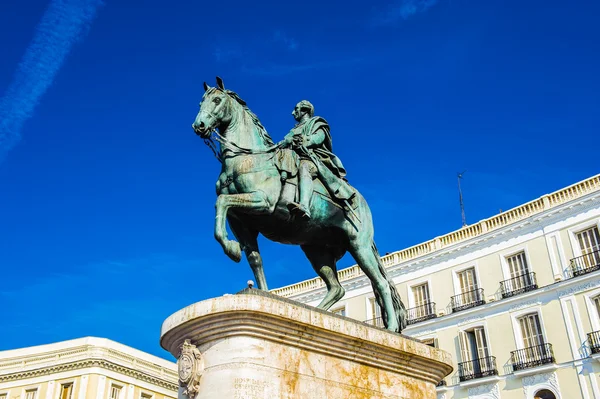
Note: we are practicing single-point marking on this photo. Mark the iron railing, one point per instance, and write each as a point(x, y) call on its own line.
point(477, 368)
point(585, 264)
point(421, 313)
point(518, 285)
point(467, 300)
point(594, 341)
point(442, 383)
point(532, 357)
point(377, 322)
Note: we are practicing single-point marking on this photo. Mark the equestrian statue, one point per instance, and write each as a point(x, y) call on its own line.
point(292, 192)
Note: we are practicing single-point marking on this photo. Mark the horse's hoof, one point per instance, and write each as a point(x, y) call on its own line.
point(234, 251)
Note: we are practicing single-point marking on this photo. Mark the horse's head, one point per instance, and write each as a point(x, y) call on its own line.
point(214, 110)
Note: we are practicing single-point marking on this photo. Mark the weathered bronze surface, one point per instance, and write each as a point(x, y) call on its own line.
point(293, 192)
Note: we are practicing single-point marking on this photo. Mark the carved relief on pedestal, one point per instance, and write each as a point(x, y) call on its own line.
point(190, 366)
point(536, 382)
point(487, 391)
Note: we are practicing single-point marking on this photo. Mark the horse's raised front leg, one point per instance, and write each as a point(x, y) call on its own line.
point(255, 203)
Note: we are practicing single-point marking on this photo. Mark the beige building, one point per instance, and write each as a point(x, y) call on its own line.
point(515, 298)
point(85, 368)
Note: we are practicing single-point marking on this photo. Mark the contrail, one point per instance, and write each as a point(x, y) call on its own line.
point(63, 24)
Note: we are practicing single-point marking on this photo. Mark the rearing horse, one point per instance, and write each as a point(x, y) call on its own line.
point(253, 198)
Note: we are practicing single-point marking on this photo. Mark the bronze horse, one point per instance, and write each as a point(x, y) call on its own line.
point(253, 198)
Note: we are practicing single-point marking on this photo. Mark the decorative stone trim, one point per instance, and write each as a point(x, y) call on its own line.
point(534, 383)
point(84, 364)
point(578, 288)
point(85, 353)
point(191, 367)
point(488, 391)
point(524, 305)
point(471, 319)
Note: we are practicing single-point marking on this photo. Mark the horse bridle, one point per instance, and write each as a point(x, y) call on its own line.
point(228, 144)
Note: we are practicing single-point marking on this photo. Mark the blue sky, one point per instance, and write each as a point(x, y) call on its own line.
point(107, 196)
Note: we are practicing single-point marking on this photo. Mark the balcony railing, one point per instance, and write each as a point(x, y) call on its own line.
point(421, 313)
point(467, 300)
point(594, 341)
point(518, 285)
point(532, 357)
point(377, 322)
point(477, 368)
point(442, 383)
point(585, 264)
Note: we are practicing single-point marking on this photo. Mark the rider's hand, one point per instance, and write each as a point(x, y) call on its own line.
point(287, 141)
point(298, 141)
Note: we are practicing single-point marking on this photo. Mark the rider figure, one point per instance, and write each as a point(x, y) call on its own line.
point(311, 140)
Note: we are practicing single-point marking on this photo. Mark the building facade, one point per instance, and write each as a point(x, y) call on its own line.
point(514, 298)
point(85, 368)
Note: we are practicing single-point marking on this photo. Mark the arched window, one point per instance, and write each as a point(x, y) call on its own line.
point(544, 394)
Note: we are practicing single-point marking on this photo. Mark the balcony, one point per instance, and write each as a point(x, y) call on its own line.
point(532, 357)
point(377, 322)
point(478, 368)
point(585, 264)
point(421, 313)
point(594, 341)
point(467, 300)
point(518, 285)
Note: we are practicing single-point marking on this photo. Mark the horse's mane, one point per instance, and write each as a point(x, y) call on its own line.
point(261, 129)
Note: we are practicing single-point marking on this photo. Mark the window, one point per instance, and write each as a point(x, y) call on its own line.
point(520, 277)
point(421, 298)
point(115, 391)
point(467, 280)
point(145, 396)
point(66, 391)
point(475, 354)
point(531, 331)
point(340, 311)
point(544, 394)
point(589, 244)
point(517, 265)
point(376, 313)
point(30, 394)
point(3, 395)
point(473, 344)
point(596, 300)
point(469, 292)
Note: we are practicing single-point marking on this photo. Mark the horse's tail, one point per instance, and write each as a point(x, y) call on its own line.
point(397, 301)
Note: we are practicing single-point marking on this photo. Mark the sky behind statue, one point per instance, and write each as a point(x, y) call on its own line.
point(107, 196)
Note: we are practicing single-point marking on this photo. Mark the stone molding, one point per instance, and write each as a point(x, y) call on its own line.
point(89, 363)
point(82, 357)
point(524, 305)
point(579, 288)
point(472, 319)
point(487, 391)
point(540, 381)
point(265, 316)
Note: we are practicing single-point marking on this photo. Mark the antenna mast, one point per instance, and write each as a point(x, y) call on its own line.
point(460, 197)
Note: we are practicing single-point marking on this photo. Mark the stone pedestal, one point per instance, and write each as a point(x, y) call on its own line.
point(255, 345)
